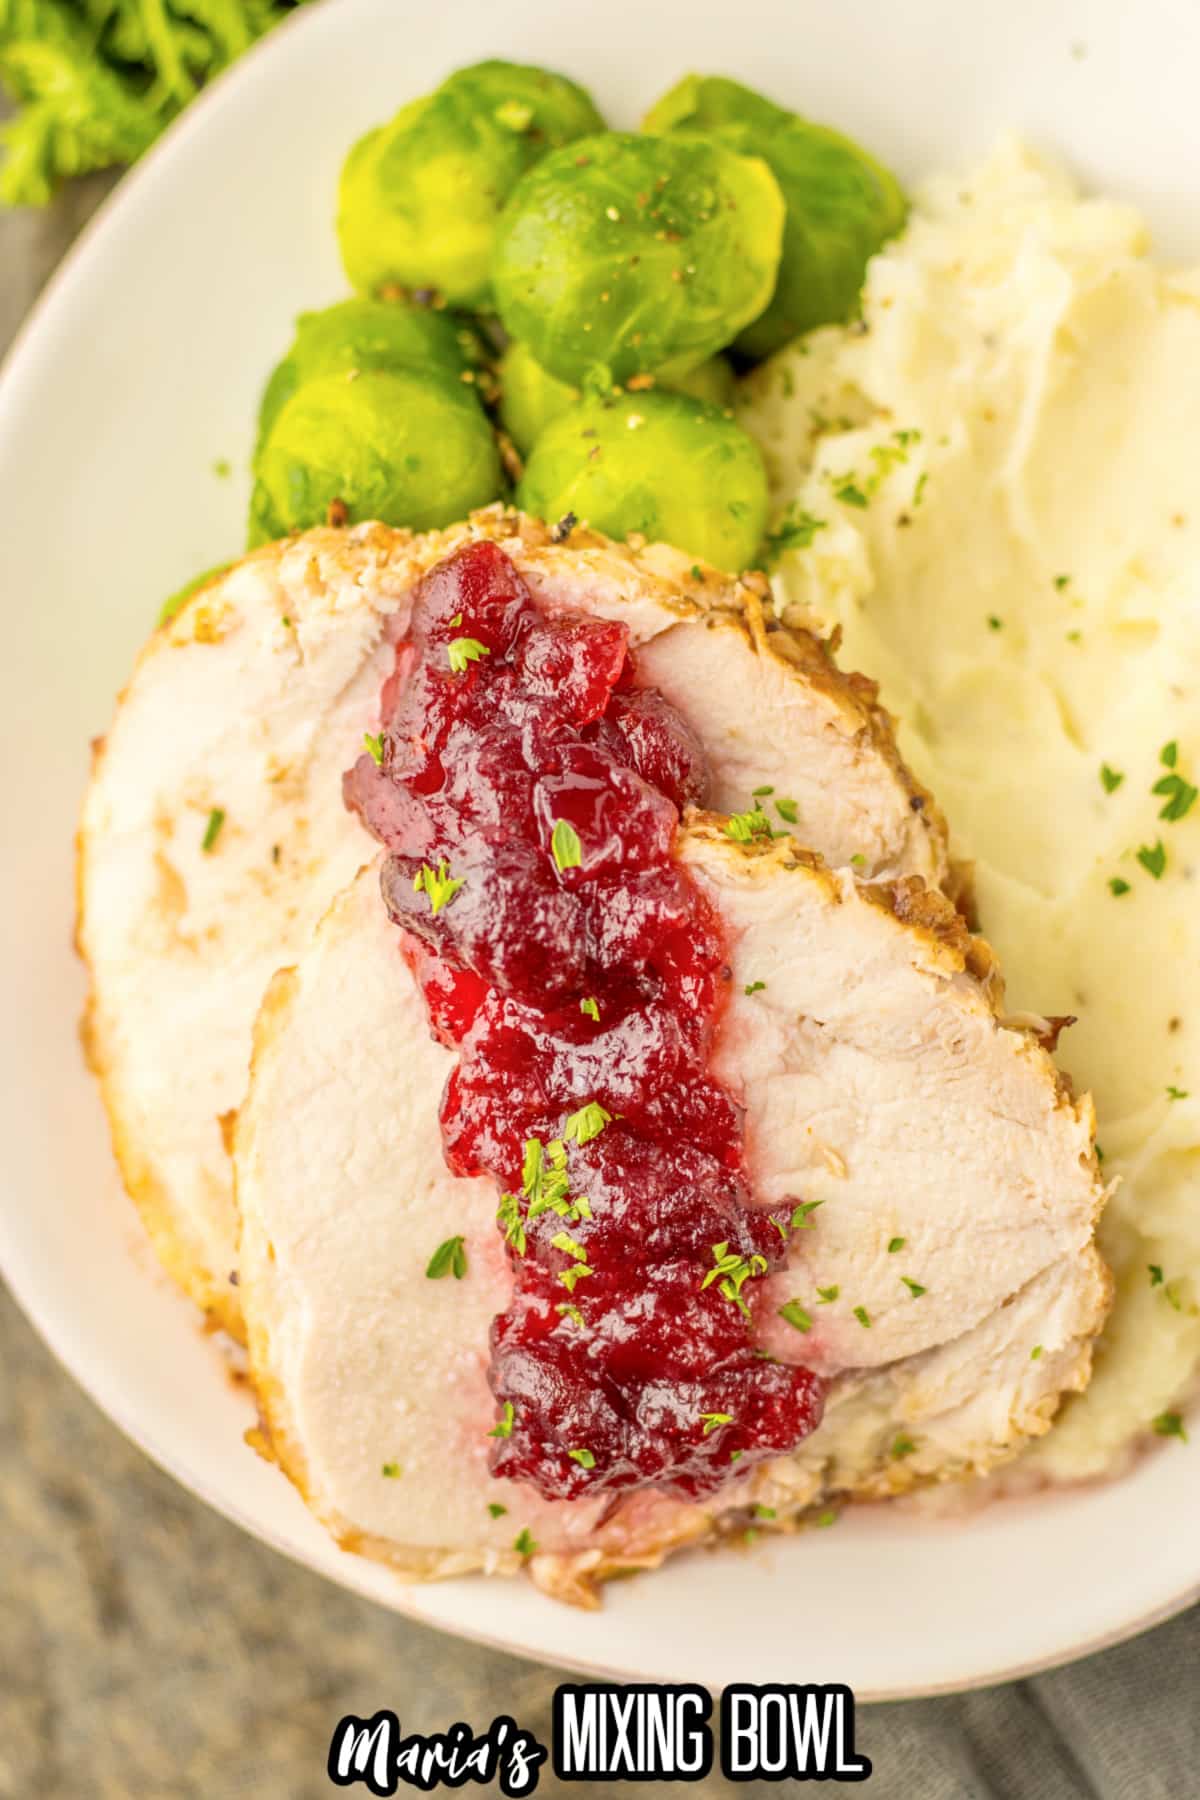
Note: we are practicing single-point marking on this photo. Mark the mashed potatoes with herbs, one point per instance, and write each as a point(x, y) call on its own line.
point(991, 484)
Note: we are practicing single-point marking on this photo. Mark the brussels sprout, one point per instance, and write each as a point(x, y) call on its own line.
point(636, 255)
point(420, 197)
point(841, 204)
point(397, 445)
point(663, 464)
point(530, 398)
point(368, 334)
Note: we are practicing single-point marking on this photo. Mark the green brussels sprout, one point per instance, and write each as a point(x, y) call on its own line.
point(419, 198)
point(636, 255)
point(841, 204)
point(663, 464)
point(406, 447)
point(530, 398)
point(368, 334)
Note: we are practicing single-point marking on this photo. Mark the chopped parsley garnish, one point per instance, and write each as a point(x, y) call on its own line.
point(914, 1287)
point(1061, 581)
point(212, 830)
point(760, 793)
point(1176, 1093)
point(1035, 1353)
point(509, 1214)
point(456, 621)
point(825, 1519)
point(1180, 797)
point(1169, 1424)
point(565, 846)
point(902, 1446)
point(497, 1511)
point(565, 1310)
point(1156, 1274)
point(850, 494)
point(1118, 887)
point(587, 1123)
point(826, 1295)
point(895, 1244)
point(584, 1458)
point(795, 531)
point(858, 860)
point(1153, 860)
point(562, 1240)
point(1168, 756)
point(1110, 779)
point(1172, 1296)
point(919, 490)
point(439, 885)
point(862, 1315)
point(591, 1007)
point(462, 651)
point(373, 745)
point(787, 809)
point(449, 1258)
point(569, 1277)
point(744, 826)
point(714, 1421)
point(754, 987)
point(802, 1214)
point(697, 572)
point(390, 1470)
point(794, 1314)
point(995, 623)
point(731, 1272)
point(763, 1512)
point(503, 1427)
point(524, 1543)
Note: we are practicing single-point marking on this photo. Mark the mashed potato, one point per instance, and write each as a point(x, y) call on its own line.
point(991, 484)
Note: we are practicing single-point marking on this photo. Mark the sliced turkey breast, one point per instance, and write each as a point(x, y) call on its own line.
point(878, 1079)
point(214, 833)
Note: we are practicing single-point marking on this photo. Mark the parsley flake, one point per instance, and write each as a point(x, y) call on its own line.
point(1061, 581)
point(714, 1421)
point(902, 1446)
point(1156, 1274)
point(462, 651)
point(569, 1277)
point(1168, 756)
point(503, 1427)
point(390, 1470)
point(764, 1512)
point(565, 1310)
point(439, 885)
point(754, 987)
point(1180, 797)
point(862, 1315)
point(373, 745)
point(524, 1543)
point(562, 1240)
point(895, 1244)
point(795, 531)
point(824, 1520)
point(802, 1214)
point(794, 1314)
point(509, 1215)
point(995, 623)
point(1035, 1353)
point(565, 846)
point(590, 1008)
point(731, 1272)
point(760, 793)
point(212, 830)
point(850, 494)
point(788, 810)
point(497, 1511)
point(449, 1258)
point(1110, 779)
point(1169, 1424)
point(584, 1458)
point(1118, 887)
point(744, 826)
point(914, 1287)
point(1176, 1093)
point(826, 1295)
point(1153, 859)
point(587, 1123)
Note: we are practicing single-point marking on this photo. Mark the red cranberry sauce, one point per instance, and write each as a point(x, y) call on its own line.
point(528, 797)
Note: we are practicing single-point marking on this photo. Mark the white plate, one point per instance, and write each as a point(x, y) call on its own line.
point(140, 369)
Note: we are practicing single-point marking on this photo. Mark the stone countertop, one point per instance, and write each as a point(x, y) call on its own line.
point(150, 1650)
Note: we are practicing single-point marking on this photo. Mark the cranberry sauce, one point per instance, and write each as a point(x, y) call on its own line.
point(528, 795)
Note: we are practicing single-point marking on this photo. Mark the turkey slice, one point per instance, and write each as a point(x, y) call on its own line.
point(880, 1053)
point(214, 834)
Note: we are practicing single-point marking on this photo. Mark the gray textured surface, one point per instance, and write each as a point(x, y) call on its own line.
point(149, 1650)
